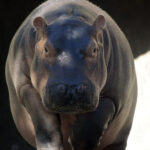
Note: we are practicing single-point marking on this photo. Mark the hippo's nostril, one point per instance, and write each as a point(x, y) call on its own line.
point(61, 88)
point(81, 88)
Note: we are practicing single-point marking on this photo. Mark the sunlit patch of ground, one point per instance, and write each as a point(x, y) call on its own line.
point(139, 138)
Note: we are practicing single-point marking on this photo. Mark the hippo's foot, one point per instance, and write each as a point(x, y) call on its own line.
point(47, 144)
point(88, 144)
point(90, 127)
point(87, 139)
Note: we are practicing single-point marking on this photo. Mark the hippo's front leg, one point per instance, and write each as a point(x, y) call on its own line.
point(46, 124)
point(90, 127)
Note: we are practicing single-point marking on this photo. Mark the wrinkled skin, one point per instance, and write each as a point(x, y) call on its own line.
point(71, 78)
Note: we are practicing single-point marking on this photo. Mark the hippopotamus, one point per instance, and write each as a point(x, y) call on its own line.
point(71, 78)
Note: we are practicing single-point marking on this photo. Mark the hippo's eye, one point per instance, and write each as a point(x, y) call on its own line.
point(90, 53)
point(46, 50)
point(94, 52)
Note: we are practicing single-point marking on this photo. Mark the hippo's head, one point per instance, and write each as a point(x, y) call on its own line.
point(68, 68)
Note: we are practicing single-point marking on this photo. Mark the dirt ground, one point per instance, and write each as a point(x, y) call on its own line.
point(140, 133)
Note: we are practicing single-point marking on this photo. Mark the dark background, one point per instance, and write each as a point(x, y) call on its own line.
point(133, 16)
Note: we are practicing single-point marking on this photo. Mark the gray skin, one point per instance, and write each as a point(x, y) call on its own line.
point(71, 46)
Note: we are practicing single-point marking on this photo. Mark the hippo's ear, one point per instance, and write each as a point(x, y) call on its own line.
point(98, 25)
point(40, 24)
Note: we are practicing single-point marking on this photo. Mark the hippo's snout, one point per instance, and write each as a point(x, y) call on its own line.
point(69, 90)
point(69, 98)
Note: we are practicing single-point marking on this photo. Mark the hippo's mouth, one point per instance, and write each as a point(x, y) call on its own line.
point(65, 105)
point(72, 108)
